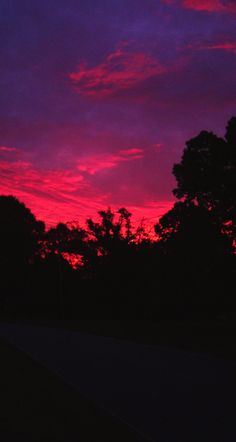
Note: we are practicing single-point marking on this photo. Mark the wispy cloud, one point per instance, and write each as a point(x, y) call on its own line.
point(122, 69)
point(226, 45)
point(52, 194)
point(59, 195)
point(206, 5)
point(7, 149)
point(52, 183)
point(210, 5)
point(99, 162)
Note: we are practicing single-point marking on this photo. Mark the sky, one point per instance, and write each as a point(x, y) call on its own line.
point(98, 98)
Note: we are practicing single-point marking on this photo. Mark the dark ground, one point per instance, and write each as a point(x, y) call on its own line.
point(168, 394)
point(216, 337)
point(36, 406)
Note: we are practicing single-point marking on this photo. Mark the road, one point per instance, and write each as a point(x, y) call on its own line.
point(167, 395)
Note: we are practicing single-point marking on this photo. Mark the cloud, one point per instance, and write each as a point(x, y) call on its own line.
point(150, 211)
point(7, 149)
point(60, 195)
point(52, 184)
point(121, 70)
point(98, 162)
point(51, 194)
point(227, 46)
point(206, 5)
point(210, 5)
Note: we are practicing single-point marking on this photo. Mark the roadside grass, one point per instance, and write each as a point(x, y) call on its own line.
point(36, 406)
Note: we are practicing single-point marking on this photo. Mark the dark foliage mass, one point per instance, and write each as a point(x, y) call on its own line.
point(110, 270)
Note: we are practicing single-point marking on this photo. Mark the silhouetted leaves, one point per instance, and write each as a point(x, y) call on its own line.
point(20, 232)
point(206, 175)
point(20, 235)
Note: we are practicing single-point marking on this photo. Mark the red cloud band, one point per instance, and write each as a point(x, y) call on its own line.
point(96, 163)
point(121, 70)
point(61, 195)
point(206, 5)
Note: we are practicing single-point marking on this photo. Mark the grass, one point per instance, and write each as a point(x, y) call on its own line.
point(36, 406)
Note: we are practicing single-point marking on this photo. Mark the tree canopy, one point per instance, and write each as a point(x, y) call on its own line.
point(206, 174)
point(20, 232)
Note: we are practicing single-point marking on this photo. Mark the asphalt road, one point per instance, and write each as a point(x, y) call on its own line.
point(168, 395)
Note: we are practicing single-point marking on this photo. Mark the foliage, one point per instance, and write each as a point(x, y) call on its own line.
point(20, 232)
point(206, 175)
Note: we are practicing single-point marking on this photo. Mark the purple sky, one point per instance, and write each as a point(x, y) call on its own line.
point(99, 96)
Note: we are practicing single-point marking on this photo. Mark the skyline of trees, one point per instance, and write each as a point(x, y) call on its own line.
point(193, 252)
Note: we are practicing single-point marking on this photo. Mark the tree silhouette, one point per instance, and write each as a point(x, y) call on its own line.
point(206, 175)
point(198, 234)
point(20, 232)
point(67, 240)
point(190, 231)
point(110, 235)
point(125, 223)
point(20, 235)
point(112, 239)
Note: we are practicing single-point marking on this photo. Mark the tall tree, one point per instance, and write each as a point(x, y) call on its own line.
point(20, 236)
point(206, 175)
point(20, 232)
point(189, 231)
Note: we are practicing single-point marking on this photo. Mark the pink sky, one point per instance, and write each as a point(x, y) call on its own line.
point(99, 98)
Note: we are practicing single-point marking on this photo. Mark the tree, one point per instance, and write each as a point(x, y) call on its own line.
point(125, 223)
point(111, 235)
point(20, 232)
point(206, 175)
point(189, 232)
point(20, 235)
point(111, 239)
point(67, 240)
point(197, 236)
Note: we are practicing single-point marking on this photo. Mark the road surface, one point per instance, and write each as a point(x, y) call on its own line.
point(167, 395)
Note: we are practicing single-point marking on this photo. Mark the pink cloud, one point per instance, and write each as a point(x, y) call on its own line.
point(226, 46)
point(210, 5)
point(132, 152)
point(150, 212)
point(99, 162)
point(51, 194)
point(7, 149)
point(122, 69)
point(20, 177)
point(61, 195)
point(206, 5)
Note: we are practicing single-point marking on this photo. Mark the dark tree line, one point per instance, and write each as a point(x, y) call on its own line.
point(110, 269)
